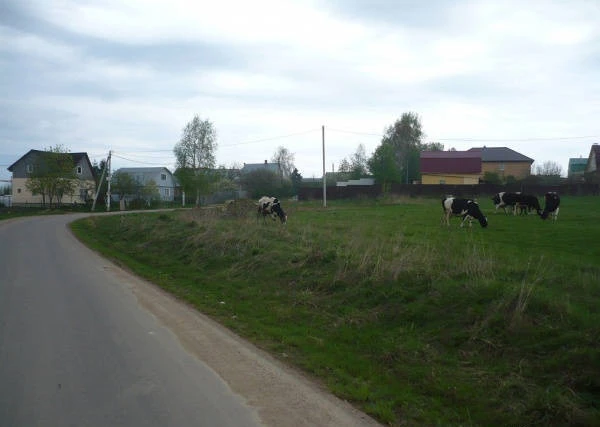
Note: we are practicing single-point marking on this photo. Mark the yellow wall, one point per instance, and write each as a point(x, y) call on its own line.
point(21, 195)
point(454, 179)
point(519, 170)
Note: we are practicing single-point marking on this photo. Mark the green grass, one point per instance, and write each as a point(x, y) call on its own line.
point(411, 321)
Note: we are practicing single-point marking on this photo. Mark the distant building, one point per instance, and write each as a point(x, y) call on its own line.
point(450, 167)
point(576, 168)
point(592, 168)
point(163, 178)
point(252, 167)
point(25, 166)
point(504, 162)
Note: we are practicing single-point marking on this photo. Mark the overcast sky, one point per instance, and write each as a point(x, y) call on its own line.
point(100, 75)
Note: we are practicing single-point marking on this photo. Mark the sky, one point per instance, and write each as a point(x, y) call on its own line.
point(126, 76)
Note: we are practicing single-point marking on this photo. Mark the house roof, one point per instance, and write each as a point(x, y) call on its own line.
point(594, 155)
point(77, 157)
point(450, 162)
point(501, 154)
point(144, 170)
point(251, 167)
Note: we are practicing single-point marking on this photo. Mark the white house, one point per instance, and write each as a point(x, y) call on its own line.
point(162, 177)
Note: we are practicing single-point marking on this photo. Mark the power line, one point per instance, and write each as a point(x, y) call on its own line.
point(354, 132)
point(556, 138)
point(559, 138)
point(137, 161)
point(272, 138)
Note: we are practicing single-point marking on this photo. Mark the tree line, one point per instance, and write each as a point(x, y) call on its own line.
point(395, 160)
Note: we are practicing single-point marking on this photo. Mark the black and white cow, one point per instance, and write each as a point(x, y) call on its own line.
point(526, 203)
point(466, 208)
point(270, 206)
point(504, 199)
point(552, 205)
point(517, 202)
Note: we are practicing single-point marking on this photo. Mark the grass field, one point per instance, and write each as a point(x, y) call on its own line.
point(413, 322)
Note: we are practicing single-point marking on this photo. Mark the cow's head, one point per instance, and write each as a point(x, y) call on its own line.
point(280, 212)
point(474, 211)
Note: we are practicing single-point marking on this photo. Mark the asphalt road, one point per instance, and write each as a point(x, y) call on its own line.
point(77, 348)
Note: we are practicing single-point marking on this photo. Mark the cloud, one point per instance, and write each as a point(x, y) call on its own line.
point(107, 74)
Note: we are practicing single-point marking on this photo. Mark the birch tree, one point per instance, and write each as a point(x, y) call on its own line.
point(195, 156)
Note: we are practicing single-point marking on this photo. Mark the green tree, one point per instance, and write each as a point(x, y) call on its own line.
point(405, 137)
point(149, 192)
point(195, 156)
point(382, 165)
point(296, 179)
point(122, 184)
point(53, 175)
point(264, 182)
point(432, 146)
point(344, 165)
point(492, 178)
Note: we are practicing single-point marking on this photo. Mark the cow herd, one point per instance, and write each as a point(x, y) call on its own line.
point(516, 203)
point(467, 209)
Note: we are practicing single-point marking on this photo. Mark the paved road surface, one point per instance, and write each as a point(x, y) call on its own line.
point(83, 343)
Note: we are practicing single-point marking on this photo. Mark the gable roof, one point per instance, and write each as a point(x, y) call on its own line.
point(501, 154)
point(77, 157)
point(144, 170)
point(593, 157)
point(450, 162)
point(251, 167)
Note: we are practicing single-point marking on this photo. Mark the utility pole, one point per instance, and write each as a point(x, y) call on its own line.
point(109, 176)
point(106, 166)
point(324, 176)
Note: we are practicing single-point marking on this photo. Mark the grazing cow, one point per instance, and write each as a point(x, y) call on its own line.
point(504, 199)
point(517, 202)
point(526, 203)
point(271, 206)
point(466, 208)
point(552, 205)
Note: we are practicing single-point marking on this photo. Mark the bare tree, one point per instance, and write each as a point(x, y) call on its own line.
point(549, 168)
point(358, 163)
point(285, 160)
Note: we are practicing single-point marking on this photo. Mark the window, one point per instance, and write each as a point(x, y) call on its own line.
point(79, 170)
point(19, 190)
point(29, 168)
point(167, 192)
point(501, 167)
point(163, 176)
point(442, 181)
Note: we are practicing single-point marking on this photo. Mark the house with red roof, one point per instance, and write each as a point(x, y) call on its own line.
point(450, 167)
point(469, 167)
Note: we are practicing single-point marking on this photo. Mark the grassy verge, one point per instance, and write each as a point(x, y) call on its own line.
point(413, 322)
